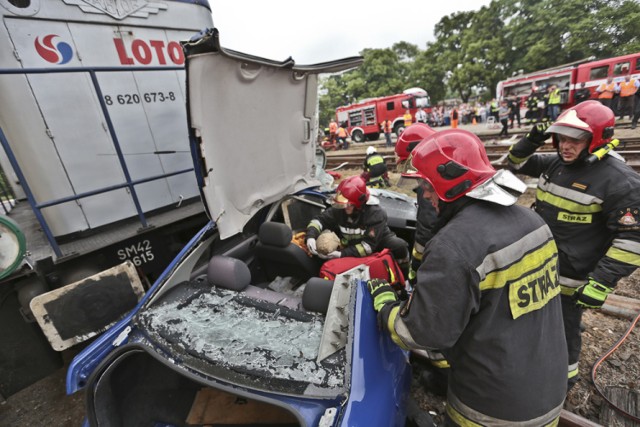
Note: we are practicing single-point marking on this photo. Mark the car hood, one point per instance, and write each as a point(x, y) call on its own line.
point(253, 125)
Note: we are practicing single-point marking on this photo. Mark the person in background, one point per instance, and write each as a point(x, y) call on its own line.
point(333, 132)
point(554, 103)
point(454, 117)
point(375, 172)
point(591, 201)
point(514, 111)
point(385, 126)
point(421, 116)
point(494, 108)
point(532, 106)
point(582, 94)
point(503, 115)
point(636, 115)
point(359, 222)
point(407, 119)
point(487, 299)
point(606, 91)
point(627, 90)
point(342, 136)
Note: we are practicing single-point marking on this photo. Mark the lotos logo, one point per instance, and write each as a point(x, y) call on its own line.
point(59, 54)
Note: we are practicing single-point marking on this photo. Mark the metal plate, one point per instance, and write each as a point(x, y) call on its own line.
point(97, 302)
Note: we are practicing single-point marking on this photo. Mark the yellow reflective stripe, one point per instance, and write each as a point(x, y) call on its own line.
point(624, 256)
point(460, 419)
point(440, 363)
point(315, 224)
point(566, 290)
point(532, 261)
point(515, 159)
point(375, 160)
point(553, 423)
point(566, 204)
point(393, 314)
point(361, 250)
point(535, 290)
point(575, 218)
point(573, 372)
point(417, 255)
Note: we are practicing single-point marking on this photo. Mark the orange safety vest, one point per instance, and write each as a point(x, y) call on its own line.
point(628, 88)
point(606, 90)
point(386, 126)
point(333, 127)
point(342, 133)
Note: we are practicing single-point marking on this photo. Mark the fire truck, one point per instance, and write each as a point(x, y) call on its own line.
point(569, 77)
point(364, 118)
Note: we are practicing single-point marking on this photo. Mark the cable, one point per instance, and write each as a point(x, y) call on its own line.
point(599, 361)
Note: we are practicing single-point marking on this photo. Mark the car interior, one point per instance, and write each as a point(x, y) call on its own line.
point(252, 315)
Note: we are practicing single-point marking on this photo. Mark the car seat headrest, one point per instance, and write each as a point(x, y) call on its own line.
point(275, 234)
point(229, 273)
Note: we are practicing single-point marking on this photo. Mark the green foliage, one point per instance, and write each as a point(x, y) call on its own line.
point(474, 50)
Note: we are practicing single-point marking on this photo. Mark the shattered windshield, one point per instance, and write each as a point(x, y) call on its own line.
point(245, 340)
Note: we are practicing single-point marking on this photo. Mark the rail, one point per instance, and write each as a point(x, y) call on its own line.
point(128, 183)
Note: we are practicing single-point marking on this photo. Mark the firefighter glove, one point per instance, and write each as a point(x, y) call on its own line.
point(591, 294)
point(334, 254)
point(537, 133)
point(382, 293)
point(311, 245)
point(412, 276)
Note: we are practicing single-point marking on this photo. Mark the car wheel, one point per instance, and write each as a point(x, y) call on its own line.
point(357, 136)
point(398, 129)
point(373, 136)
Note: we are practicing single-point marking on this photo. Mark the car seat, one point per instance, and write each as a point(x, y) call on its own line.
point(278, 256)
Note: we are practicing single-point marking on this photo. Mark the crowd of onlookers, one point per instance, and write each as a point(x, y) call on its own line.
point(467, 112)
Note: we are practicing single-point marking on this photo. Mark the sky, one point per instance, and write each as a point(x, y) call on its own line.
point(319, 31)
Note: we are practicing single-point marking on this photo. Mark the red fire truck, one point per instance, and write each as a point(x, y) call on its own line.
point(569, 77)
point(364, 118)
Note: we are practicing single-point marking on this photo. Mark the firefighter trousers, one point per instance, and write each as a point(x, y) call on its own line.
point(572, 316)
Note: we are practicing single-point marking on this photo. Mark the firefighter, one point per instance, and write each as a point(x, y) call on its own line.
point(488, 299)
point(375, 172)
point(532, 106)
point(359, 222)
point(592, 207)
point(434, 377)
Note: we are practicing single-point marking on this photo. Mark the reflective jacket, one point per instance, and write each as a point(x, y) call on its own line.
point(532, 102)
point(592, 210)
point(375, 165)
point(606, 90)
point(628, 88)
point(361, 234)
point(554, 97)
point(487, 295)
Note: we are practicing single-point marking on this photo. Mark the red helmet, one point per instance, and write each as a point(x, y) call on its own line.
point(588, 119)
point(352, 190)
point(411, 136)
point(454, 162)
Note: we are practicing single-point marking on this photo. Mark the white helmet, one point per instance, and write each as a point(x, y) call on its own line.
point(371, 150)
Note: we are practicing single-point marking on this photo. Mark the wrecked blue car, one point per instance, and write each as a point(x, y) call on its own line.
point(239, 329)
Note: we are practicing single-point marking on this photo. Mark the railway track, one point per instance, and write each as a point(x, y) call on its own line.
point(629, 148)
